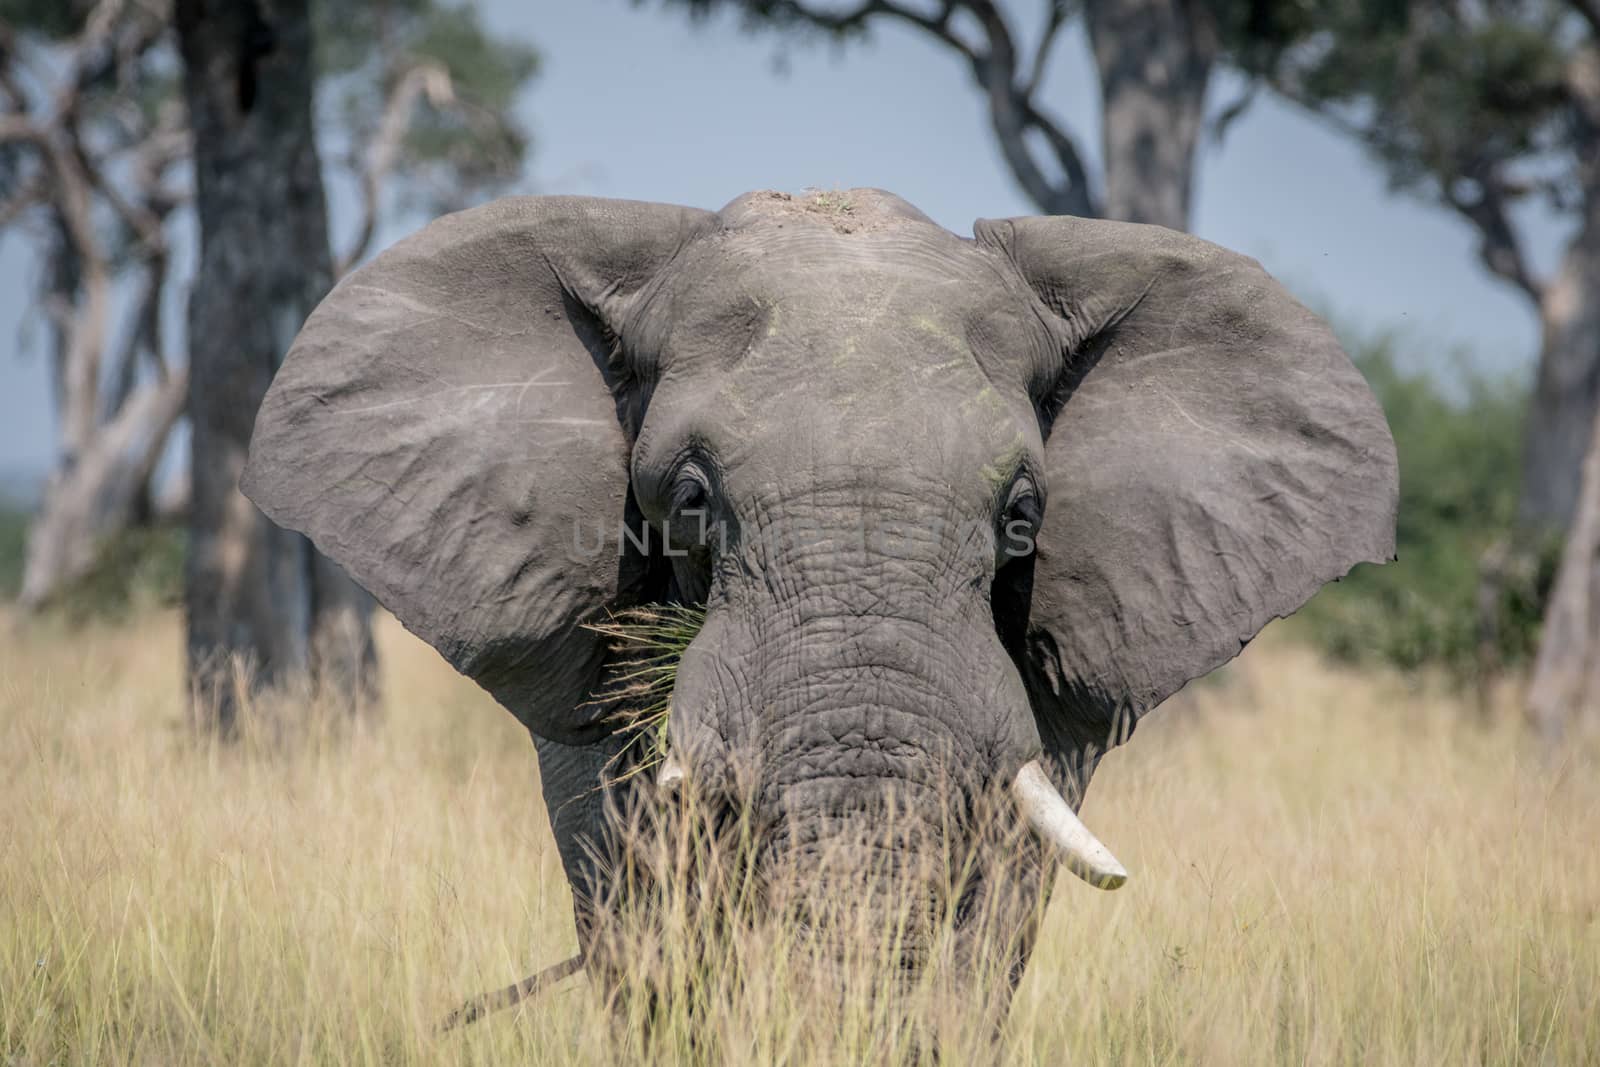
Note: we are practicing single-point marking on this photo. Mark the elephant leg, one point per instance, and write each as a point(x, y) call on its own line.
point(571, 778)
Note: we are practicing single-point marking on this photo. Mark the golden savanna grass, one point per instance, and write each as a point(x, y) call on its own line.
point(1328, 867)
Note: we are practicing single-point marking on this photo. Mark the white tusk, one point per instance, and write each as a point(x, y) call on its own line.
point(669, 779)
point(1053, 819)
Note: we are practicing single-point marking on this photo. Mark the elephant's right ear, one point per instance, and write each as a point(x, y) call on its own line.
point(448, 428)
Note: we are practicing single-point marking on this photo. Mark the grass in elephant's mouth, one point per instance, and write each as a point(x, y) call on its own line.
point(647, 643)
point(1329, 868)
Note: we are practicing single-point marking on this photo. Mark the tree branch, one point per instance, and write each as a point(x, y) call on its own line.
point(70, 179)
point(16, 93)
point(1499, 247)
point(98, 49)
point(87, 59)
point(99, 494)
point(158, 150)
point(30, 193)
point(143, 337)
point(1013, 113)
point(20, 129)
point(1582, 80)
point(1054, 20)
point(428, 80)
point(1075, 197)
point(1224, 119)
point(856, 19)
point(85, 327)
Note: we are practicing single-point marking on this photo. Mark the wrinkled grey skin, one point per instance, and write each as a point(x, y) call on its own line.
point(463, 418)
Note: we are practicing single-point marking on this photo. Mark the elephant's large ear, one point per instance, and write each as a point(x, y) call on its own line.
point(1216, 458)
point(445, 428)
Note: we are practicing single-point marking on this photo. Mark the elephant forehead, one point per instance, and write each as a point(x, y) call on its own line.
point(908, 295)
point(806, 254)
point(793, 346)
point(944, 421)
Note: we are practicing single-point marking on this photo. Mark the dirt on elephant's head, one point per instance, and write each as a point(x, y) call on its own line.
point(846, 210)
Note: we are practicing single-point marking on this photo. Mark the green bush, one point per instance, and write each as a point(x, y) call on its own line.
point(1458, 433)
point(138, 568)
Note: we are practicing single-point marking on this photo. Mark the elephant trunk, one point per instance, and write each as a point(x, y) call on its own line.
point(875, 735)
point(860, 685)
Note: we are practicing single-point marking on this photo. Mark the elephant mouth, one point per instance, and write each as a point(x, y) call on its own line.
point(1034, 799)
point(648, 644)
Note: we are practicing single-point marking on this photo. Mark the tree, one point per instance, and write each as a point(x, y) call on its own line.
point(1154, 59)
point(257, 595)
point(1484, 107)
point(95, 143)
point(94, 160)
point(1565, 689)
point(88, 155)
point(419, 98)
point(253, 593)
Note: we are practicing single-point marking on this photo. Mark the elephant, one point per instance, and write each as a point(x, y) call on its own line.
point(1108, 453)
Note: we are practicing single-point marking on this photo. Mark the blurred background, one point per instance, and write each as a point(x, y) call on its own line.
point(1426, 175)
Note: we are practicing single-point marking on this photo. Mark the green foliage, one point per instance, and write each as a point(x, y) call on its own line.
point(493, 71)
point(1459, 436)
point(1442, 94)
point(451, 154)
point(483, 147)
point(783, 15)
point(139, 568)
point(456, 147)
point(54, 19)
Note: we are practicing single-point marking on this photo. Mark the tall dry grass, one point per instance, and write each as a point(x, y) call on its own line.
point(1328, 868)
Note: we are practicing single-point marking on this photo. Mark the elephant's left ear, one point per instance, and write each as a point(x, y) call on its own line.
point(1216, 458)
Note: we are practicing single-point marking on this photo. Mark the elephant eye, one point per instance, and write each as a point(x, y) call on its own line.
point(1019, 527)
point(690, 489)
point(1024, 505)
point(689, 518)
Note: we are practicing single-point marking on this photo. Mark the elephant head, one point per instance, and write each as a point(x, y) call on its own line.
point(950, 504)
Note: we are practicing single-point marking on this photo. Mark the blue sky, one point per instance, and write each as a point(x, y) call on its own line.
point(634, 102)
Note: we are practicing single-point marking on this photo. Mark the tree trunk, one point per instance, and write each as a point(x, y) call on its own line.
point(1566, 395)
point(257, 597)
point(1561, 488)
point(61, 545)
point(1567, 392)
point(344, 661)
point(100, 484)
point(1566, 677)
point(1154, 59)
point(59, 294)
point(101, 493)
